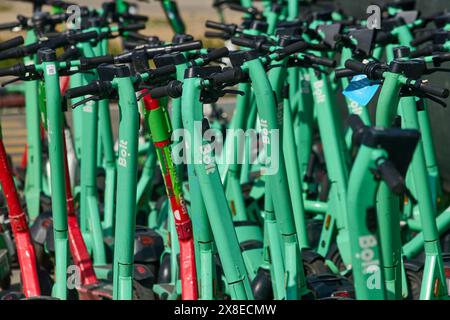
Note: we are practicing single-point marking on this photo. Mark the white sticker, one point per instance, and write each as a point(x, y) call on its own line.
point(51, 69)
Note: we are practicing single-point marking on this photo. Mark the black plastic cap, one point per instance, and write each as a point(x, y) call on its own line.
point(181, 38)
point(46, 55)
point(401, 52)
point(260, 26)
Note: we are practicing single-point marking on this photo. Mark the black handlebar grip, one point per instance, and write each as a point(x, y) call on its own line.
point(356, 66)
point(9, 25)
point(11, 43)
point(83, 36)
point(132, 27)
point(89, 89)
point(96, 61)
point(422, 52)
point(15, 70)
point(173, 89)
point(321, 61)
point(239, 8)
point(13, 53)
point(243, 42)
point(292, 48)
point(422, 39)
point(135, 17)
point(187, 46)
point(164, 70)
point(129, 45)
point(70, 54)
point(216, 25)
point(218, 53)
point(442, 57)
point(392, 177)
point(383, 37)
point(227, 76)
point(221, 35)
point(318, 47)
point(355, 122)
point(434, 91)
point(343, 73)
point(290, 24)
point(59, 17)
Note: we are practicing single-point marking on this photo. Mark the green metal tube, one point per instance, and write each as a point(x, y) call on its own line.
point(387, 202)
point(434, 266)
point(33, 180)
point(366, 256)
point(126, 190)
point(56, 153)
point(214, 199)
point(89, 211)
point(277, 180)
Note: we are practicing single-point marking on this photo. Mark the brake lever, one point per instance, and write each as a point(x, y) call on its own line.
point(4, 84)
point(231, 91)
point(84, 101)
point(411, 91)
point(25, 78)
point(434, 99)
point(143, 94)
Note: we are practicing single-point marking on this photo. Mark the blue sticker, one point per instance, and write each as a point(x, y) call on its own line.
point(361, 90)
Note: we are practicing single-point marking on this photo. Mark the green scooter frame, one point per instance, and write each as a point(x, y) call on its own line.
point(213, 194)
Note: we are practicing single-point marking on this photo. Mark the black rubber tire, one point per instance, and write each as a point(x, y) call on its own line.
point(316, 267)
point(335, 257)
point(414, 281)
point(5, 283)
point(45, 282)
point(164, 272)
point(42, 257)
point(142, 293)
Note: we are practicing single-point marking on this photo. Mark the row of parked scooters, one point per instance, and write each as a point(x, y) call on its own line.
point(298, 192)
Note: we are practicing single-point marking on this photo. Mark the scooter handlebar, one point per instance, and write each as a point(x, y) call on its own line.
point(12, 53)
point(434, 91)
point(181, 47)
point(423, 52)
point(392, 177)
point(217, 25)
point(89, 63)
point(343, 73)
point(135, 17)
point(356, 66)
point(217, 54)
point(163, 71)
point(93, 88)
point(321, 60)
point(441, 57)
point(9, 25)
point(82, 36)
point(422, 39)
point(221, 35)
point(132, 27)
point(11, 43)
point(16, 70)
point(228, 76)
point(295, 47)
point(173, 90)
point(373, 70)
